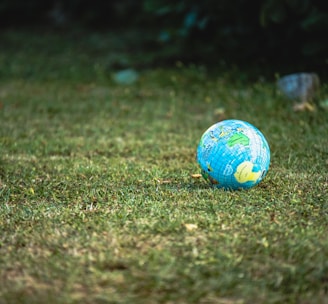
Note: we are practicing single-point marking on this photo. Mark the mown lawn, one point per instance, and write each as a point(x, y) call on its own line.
point(97, 199)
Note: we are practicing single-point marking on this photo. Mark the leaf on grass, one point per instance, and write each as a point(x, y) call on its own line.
point(196, 176)
point(264, 242)
point(163, 181)
point(219, 111)
point(190, 227)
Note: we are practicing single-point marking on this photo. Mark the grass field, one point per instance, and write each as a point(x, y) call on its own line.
point(97, 202)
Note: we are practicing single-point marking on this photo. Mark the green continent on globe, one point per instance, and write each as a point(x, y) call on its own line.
point(238, 138)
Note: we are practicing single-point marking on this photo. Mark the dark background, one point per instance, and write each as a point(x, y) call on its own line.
point(267, 32)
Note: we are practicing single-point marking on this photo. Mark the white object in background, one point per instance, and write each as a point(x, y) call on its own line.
point(300, 87)
point(127, 76)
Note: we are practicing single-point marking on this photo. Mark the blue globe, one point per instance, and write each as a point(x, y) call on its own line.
point(233, 154)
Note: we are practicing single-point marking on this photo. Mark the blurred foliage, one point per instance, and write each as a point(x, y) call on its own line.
point(68, 13)
point(274, 30)
point(268, 30)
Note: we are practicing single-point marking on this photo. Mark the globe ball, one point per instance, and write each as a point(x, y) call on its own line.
point(233, 154)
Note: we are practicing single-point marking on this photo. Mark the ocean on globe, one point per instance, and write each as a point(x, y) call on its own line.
point(233, 154)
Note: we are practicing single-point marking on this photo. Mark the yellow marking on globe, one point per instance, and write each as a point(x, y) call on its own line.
point(245, 174)
point(223, 133)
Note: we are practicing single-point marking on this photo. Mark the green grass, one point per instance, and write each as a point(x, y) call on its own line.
point(97, 200)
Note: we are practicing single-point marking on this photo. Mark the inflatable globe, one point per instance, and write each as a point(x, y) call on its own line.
point(233, 154)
